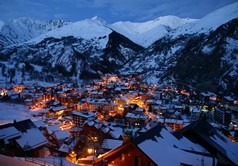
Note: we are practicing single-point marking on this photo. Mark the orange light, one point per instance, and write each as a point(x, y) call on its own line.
point(90, 150)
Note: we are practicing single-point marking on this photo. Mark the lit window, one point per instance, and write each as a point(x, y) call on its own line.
point(138, 161)
point(122, 157)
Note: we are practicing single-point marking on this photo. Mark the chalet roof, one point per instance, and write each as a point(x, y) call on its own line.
point(139, 109)
point(150, 134)
point(66, 148)
point(196, 109)
point(61, 134)
point(136, 116)
point(170, 120)
point(76, 129)
point(29, 135)
point(116, 132)
point(165, 149)
point(111, 143)
point(9, 133)
point(229, 98)
point(131, 106)
point(202, 131)
point(125, 99)
point(85, 114)
point(39, 123)
point(31, 139)
point(97, 101)
point(178, 106)
point(51, 129)
point(105, 129)
point(58, 108)
point(208, 94)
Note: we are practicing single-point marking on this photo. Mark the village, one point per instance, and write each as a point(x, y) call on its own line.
point(86, 123)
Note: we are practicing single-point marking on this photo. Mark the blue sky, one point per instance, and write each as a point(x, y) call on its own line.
point(109, 10)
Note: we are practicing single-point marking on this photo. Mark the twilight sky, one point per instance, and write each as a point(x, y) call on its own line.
point(109, 10)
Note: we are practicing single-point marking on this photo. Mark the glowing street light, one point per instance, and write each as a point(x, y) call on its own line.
point(90, 150)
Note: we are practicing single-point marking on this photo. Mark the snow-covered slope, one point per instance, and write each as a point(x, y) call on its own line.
point(89, 29)
point(202, 53)
point(210, 21)
point(23, 29)
point(145, 33)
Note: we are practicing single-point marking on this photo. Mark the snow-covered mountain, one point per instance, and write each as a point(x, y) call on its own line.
point(89, 29)
point(210, 22)
point(145, 33)
point(200, 52)
point(23, 29)
point(80, 50)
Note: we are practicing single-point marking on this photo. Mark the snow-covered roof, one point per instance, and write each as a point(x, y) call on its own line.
point(136, 116)
point(97, 101)
point(98, 125)
point(150, 101)
point(39, 123)
point(76, 129)
point(229, 98)
point(111, 143)
point(9, 133)
point(26, 133)
point(170, 120)
point(51, 129)
point(31, 139)
point(139, 109)
point(208, 94)
point(125, 99)
point(158, 102)
point(178, 107)
point(64, 148)
point(105, 129)
point(196, 109)
point(231, 148)
point(116, 132)
point(220, 144)
point(61, 134)
point(59, 108)
point(165, 149)
point(85, 114)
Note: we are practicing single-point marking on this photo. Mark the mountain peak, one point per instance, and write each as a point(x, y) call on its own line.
point(98, 20)
point(173, 21)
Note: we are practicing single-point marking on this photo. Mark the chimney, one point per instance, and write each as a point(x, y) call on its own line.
point(126, 137)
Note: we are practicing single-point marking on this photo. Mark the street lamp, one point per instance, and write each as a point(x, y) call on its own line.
point(90, 150)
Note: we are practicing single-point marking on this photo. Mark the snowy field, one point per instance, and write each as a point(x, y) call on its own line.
point(11, 111)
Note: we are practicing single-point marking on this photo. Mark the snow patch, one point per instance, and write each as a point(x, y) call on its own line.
point(1, 25)
point(207, 50)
